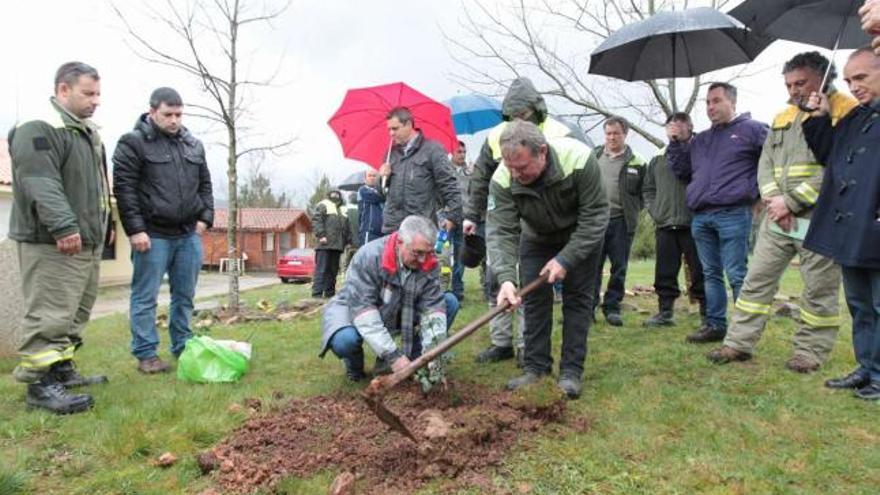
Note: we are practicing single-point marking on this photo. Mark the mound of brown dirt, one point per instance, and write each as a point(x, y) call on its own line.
point(463, 432)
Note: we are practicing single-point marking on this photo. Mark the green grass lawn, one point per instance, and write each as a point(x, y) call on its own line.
point(663, 419)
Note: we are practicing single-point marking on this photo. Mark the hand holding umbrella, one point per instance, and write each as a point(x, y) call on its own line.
point(870, 16)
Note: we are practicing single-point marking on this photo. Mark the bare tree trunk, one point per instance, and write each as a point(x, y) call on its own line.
point(232, 161)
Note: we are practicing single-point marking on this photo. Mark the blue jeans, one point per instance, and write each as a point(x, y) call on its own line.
point(181, 259)
point(457, 239)
point(722, 238)
point(348, 345)
point(862, 289)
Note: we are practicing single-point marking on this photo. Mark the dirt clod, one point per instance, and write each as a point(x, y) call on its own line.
point(463, 434)
point(207, 462)
point(254, 404)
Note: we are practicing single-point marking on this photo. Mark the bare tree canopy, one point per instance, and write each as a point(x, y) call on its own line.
point(551, 40)
point(203, 39)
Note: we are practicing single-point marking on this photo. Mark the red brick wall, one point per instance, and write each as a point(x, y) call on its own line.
point(253, 243)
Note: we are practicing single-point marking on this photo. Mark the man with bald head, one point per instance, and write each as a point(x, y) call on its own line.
point(846, 222)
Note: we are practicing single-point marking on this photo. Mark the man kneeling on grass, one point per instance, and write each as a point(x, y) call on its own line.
point(392, 288)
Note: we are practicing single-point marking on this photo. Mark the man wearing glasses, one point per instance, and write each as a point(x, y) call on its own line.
point(392, 290)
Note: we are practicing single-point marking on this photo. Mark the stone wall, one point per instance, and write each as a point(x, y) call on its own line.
point(11, 303)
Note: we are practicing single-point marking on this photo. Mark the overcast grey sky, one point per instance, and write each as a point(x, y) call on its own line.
point(324, 46)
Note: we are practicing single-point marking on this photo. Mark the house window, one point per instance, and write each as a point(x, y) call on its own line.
point(270, 242)
point(285, 241)
point(301, 240)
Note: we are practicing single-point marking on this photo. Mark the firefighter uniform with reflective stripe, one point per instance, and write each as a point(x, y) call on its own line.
point(789, 169)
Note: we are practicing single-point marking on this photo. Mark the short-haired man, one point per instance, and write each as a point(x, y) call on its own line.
point(419, 173)
point(163, 189)
point(370, 204)
point(623, 171)
point(789, 179)
point(846, 221)
point(61, 220)
point(392, 289)
point(331, 229)
point(664, 195)
point(720, 165)
point(548, 212)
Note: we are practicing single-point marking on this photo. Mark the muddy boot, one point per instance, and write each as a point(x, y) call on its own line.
point(725, 355)
point(65, 373)
point(354, 368)
point(494, 353)
point(52, 396)
point(528, 378)
point(571, 384)
point(661, 319)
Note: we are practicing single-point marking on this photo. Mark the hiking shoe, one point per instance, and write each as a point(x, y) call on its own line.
point(869, 392)
point(706, 334)
point(614, 319)
point(65, 373)
point(153, 365)
point(857, 379)
point(50, 395)
point(801, 364)
point(726, 355)
point(528, 378)
point(661, 319)
point(381, 367)
point(494, 354)
point(571, 385)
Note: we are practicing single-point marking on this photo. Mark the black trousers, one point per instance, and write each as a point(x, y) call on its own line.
point(672, 244)
point(326, 269)
point(616, 249)
point(577, 303)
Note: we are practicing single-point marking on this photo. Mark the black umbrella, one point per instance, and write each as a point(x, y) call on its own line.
point(827, 23)
point(682, 43)
point(353, 182)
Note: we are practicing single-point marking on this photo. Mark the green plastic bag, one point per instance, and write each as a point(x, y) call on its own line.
point(205, 361)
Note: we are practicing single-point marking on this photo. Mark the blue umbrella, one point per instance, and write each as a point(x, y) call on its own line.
point(474, 113)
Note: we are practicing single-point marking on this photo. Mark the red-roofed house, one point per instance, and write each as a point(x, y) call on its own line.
point(264, 235)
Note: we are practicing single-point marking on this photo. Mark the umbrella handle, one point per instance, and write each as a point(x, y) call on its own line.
point(387, 160)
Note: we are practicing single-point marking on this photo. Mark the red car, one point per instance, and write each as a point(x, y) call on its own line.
point(296, 264)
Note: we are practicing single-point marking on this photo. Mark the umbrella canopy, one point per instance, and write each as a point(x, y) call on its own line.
point(815, 22)
point(682, 43)
point(474, 113)
point(353, 182)
point(359, 123)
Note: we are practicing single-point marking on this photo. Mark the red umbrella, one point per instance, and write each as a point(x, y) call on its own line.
point(360, 121)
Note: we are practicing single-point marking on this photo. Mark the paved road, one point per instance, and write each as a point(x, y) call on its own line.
point(116, 300)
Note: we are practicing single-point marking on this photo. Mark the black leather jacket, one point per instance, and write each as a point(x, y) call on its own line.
point(161, 182)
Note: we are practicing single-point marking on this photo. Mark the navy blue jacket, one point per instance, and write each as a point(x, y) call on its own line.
point(370, 207)
point(720, 164)
point(845, 225)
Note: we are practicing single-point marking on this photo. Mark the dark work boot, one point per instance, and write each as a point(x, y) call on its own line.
point(613, 318)
point(661, 319)
point(527, 378)
point(65, 373)
point(570, 384)
point(494, 353)
point(52, 396)
point(705, 334)
point(354, 372)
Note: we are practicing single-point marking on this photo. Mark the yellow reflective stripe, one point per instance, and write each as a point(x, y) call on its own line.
point(807, 192)
point(768, 188)
point(815, 320)
point(494, 140)
point(752, 307)
point(804, 170)
point(573, 154)
point(46, 358)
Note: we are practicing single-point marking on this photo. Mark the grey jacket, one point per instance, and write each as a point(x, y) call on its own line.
point(372, 301)
point(664, 195)
point(416, 182)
